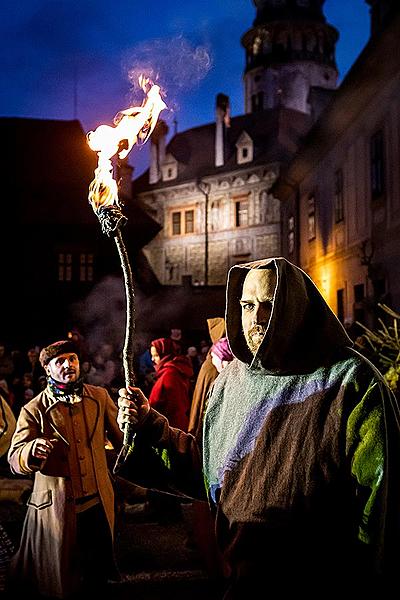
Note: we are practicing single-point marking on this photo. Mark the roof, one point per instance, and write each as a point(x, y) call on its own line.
point(275, 134)
point(47, 169)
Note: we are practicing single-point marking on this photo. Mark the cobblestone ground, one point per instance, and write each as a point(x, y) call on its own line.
point(157, 558)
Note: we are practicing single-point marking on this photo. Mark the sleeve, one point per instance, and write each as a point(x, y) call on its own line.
point(114, 434)
point(166, 459)
point(19, 455)
point(7, 425)
point(366, 445)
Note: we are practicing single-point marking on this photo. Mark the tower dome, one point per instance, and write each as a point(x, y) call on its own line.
point(289, 50)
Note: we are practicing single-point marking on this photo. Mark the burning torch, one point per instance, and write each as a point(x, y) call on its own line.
point(132, 125)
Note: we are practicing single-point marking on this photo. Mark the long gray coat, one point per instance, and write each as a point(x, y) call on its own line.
point(45, 558)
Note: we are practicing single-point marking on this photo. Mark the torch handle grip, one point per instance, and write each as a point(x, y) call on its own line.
point(129, 435)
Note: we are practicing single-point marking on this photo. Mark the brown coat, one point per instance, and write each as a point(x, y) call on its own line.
point(205, 379)
point(7, 425)
point(46, 553)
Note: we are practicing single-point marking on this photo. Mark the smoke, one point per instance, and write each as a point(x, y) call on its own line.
point(102, 314)
point(174, 64)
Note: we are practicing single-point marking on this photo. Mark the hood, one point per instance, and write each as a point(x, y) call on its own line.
point(181, 363)
point(303, 332)
point(216, 328)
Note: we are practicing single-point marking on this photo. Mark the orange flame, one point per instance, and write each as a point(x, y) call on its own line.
point(132, 125)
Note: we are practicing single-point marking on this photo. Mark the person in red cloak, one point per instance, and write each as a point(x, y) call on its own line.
point(170, 394)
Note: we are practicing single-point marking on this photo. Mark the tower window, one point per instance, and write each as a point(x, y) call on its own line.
point(257, 102)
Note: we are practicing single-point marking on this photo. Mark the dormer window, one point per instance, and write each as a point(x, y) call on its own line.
point(244, 147)
point(169, 168)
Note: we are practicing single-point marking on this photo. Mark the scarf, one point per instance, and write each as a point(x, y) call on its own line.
point(71, 393)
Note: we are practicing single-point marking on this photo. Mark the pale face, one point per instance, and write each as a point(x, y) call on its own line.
point(155, 357)
point(256, 303)
point(64, 368)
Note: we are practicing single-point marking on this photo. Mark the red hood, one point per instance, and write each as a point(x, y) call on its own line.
point(180, 363)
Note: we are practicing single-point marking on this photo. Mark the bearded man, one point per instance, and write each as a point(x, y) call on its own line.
point(60, 438)
point(301, 446)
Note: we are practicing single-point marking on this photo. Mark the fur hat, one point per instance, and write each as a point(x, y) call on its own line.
point(55, 349)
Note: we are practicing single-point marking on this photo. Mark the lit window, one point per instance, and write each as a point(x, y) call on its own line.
point(176, 223)
point(311, 218)
point(183, 222)
point(241, 213)
point(189, 221)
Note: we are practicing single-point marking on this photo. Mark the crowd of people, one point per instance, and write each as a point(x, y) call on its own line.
point(22, 377)
point(285, 438)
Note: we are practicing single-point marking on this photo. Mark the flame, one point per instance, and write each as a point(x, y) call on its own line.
point(133, 125)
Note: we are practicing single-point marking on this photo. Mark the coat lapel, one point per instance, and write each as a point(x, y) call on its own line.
point(91, 408)
point(56, 418)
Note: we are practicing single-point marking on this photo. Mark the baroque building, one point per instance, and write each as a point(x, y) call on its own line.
point(209, 188)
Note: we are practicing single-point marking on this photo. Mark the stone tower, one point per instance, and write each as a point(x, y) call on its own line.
point(290, 52)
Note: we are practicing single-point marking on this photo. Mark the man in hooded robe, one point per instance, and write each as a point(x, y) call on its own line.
point(300, 447)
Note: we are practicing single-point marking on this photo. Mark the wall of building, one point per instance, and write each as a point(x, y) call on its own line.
point(257, 235)
point(369, 231)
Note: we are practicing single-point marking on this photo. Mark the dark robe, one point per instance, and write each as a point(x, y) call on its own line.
point(301, 453)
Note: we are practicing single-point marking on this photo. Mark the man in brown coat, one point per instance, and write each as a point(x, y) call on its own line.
point(60, 437)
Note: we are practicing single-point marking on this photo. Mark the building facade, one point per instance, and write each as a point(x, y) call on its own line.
point(209, 188)
point(341, 193)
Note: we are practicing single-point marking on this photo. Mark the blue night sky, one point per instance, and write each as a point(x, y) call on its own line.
point(65, 59)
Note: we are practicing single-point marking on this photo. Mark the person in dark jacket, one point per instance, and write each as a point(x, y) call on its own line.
point(301, 447)
point(60, 439)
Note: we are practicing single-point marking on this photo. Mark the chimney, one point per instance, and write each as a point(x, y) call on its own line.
point(157, 150)
point(222, 122)
point(124, 175)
